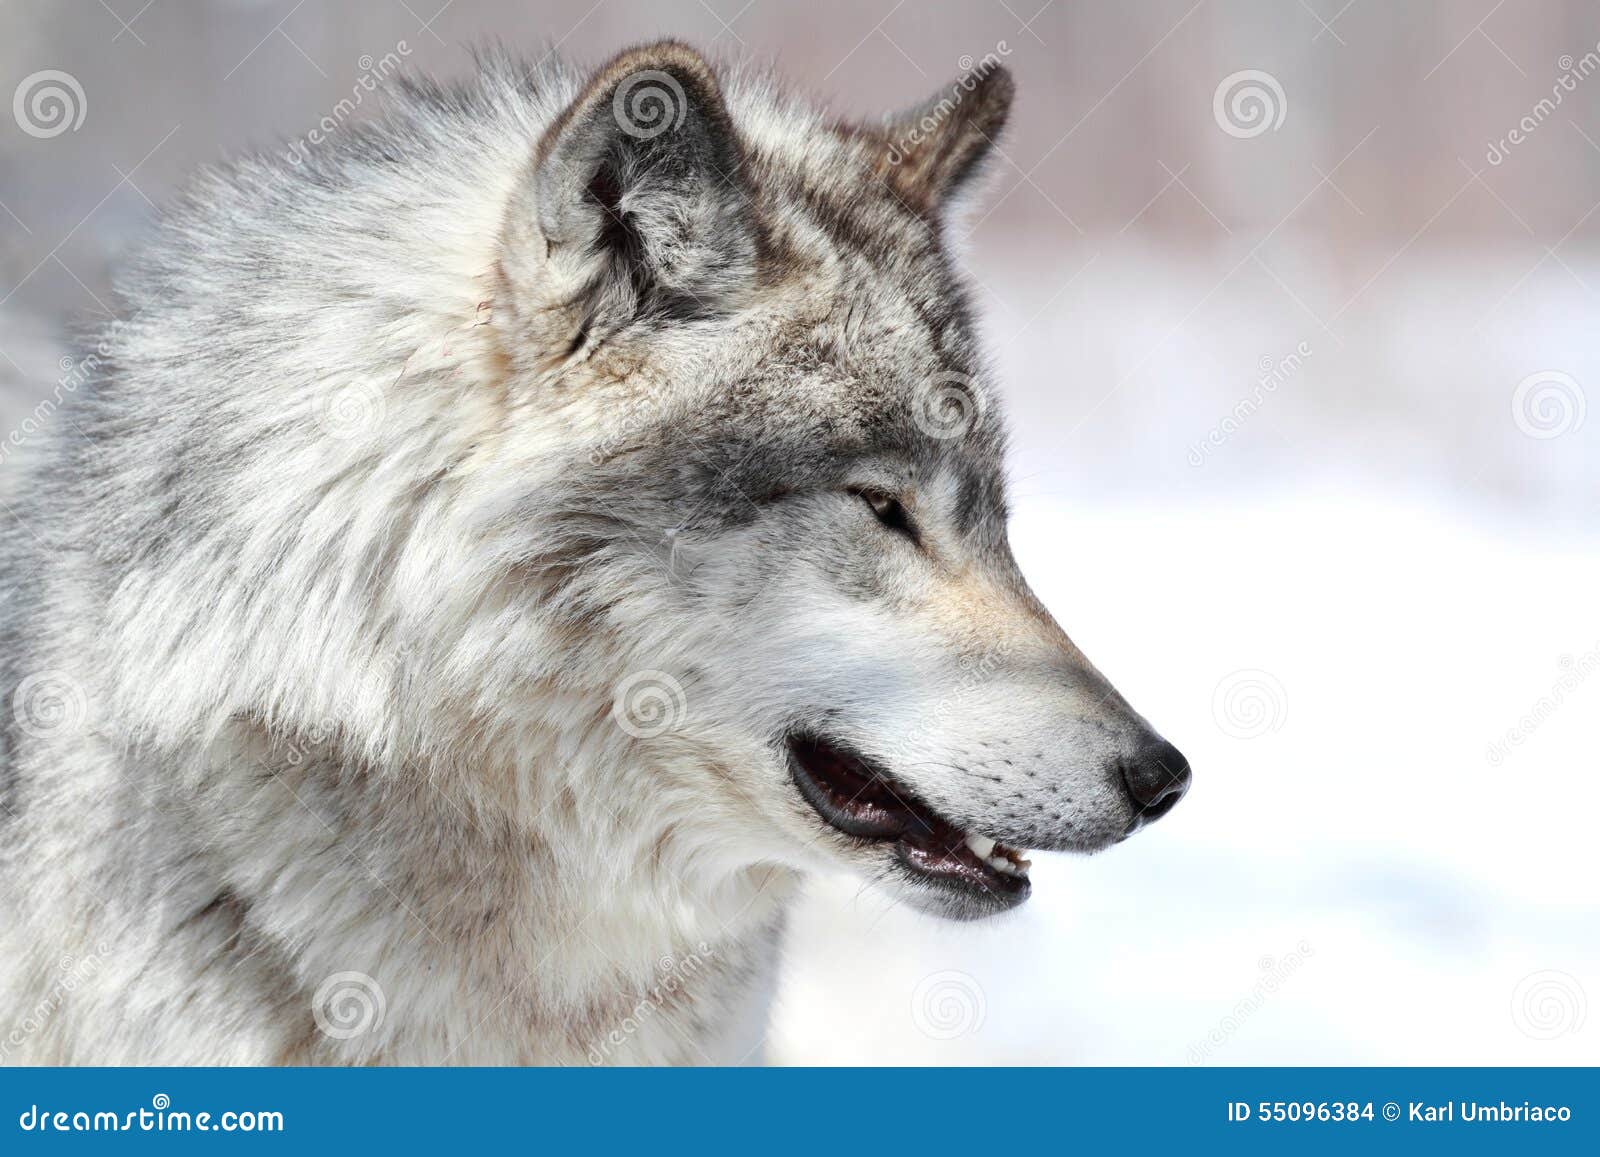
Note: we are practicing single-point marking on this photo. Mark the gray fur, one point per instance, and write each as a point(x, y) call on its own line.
point(415, 470)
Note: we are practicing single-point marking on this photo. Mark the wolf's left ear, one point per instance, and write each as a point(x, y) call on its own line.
point(638, 202)
point(936, 149)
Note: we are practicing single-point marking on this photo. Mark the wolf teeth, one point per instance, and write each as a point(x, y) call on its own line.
point(998, 856)
point(1017, 867)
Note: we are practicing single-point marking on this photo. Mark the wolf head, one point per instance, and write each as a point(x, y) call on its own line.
point(617, 449)
point(776, 516)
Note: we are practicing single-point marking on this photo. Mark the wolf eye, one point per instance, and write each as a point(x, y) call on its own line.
point(890, 511)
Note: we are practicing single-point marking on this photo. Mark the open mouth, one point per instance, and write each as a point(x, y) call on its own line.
point(854, 796)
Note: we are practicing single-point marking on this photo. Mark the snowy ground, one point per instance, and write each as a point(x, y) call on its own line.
point(1354, 879)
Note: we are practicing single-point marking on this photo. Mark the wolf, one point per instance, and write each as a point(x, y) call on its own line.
point(496, 554)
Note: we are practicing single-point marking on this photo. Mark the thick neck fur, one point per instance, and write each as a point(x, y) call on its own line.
point(315, 663)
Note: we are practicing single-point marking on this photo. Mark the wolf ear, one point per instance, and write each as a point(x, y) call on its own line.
point(638, 198)
point(936, 149)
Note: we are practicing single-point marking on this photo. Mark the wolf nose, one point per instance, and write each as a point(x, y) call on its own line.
point(1156, 776)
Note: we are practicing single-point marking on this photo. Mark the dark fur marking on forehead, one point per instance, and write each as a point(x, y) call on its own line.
point(867, 219)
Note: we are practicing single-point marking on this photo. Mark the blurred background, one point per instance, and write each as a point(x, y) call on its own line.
point(1295, 307)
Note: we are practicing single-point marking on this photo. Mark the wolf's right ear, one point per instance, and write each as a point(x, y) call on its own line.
point(638, 203)
point(933, 152)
